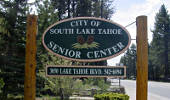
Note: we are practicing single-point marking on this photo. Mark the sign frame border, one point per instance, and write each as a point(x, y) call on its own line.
point(124, 76)
point(87, 60)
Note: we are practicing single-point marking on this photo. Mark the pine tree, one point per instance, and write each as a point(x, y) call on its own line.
point(79, 8)
point(12, 50)
point(129, 60)
point(133, 59)
point(50, 11)
point(159, 44)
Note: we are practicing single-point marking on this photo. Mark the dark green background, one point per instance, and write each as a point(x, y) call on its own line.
point(101, 68)
point(105, 41)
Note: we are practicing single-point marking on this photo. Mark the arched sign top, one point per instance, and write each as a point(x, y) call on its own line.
point(86, 39)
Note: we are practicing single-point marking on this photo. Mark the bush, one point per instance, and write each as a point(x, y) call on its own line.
point(111, 96)
point(1, 84)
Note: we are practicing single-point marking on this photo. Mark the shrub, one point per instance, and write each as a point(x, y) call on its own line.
point(1, 84)
point(111, 96)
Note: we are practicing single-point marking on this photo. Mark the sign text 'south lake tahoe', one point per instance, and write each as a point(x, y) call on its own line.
point(86, 39)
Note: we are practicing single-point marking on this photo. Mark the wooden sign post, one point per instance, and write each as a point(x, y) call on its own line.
point(142, 58)
point(30, 60)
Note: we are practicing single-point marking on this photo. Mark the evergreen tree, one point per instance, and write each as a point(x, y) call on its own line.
point(49, 12)
point(12, 50)
point(129, 60)
point(133, 58)
point(47, 15)
point(12, 40)
point(151, 67)
point(159, 45)
point(79, 8)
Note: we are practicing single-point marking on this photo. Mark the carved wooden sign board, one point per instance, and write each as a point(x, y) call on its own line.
point(86, 39)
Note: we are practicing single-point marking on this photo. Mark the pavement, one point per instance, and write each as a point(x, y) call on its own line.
point(156, 90)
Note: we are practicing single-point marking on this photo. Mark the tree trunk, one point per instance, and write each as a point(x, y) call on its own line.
point(68, 5)
point(73, 7)
point(4, 93)
point(166, 57)
point(61, 94)
point(60, 90)
point(101, 11)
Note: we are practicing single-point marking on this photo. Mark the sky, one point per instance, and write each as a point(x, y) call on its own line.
point(126, 13)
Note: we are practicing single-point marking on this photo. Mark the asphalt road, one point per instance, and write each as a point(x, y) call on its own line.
point(156, 90)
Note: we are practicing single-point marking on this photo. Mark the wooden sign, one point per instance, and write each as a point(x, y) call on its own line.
point(86, 71)
point(86, 39)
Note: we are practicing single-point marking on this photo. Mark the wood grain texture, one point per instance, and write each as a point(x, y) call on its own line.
point(30, 58)
point(142, 58)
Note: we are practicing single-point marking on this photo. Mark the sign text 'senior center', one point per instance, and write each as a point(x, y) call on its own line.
point(90, 55)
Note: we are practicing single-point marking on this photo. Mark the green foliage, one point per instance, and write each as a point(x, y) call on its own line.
point(159, 51)
point(129, 60)
point(64, 85)
point(159, 47)
point(1, 84)
point(79, 8)
point(12, 50)
point(49, 12)
point(12, 40)
point(111, 96)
